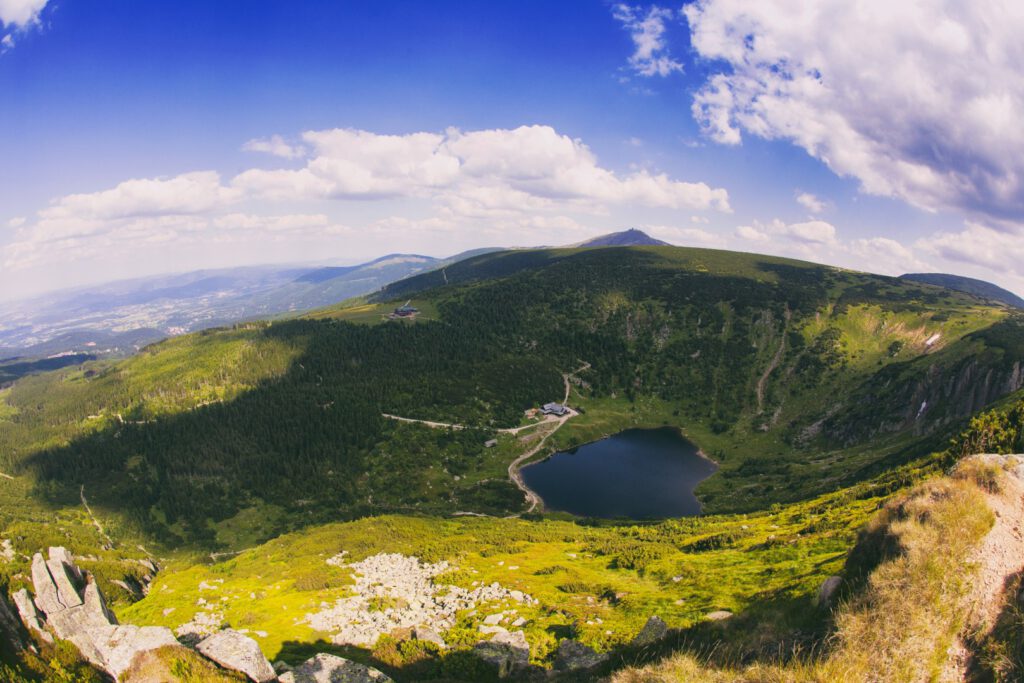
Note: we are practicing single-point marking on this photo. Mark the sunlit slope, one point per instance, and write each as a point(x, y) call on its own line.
point(798, 378)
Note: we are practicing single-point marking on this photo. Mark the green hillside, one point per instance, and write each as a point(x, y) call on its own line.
point(819, 391)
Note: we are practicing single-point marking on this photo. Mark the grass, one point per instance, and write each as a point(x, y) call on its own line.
point(901, 626)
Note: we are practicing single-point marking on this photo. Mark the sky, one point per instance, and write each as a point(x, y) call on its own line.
point(139, 138)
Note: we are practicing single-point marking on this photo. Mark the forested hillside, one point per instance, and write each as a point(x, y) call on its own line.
point(797, 378)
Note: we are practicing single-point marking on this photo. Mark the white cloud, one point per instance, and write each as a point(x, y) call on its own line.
point(530, 167)
point(6, 43)
point(20, 13)
point(810, 232)
point(978, 245)
point(184, 194)
point(275, 145)
point(919, 101)
point(16, 222)
point(647, 29)
point(810, 202)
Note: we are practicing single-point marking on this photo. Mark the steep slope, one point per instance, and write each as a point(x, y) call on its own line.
point(979, 288)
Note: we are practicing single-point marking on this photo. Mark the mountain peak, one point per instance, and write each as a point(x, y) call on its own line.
point(626, 238)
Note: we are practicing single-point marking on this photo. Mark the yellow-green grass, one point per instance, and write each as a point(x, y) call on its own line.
point(599, 582)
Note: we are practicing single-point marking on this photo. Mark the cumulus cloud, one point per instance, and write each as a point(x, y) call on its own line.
point(522, 168)
point(20, 13)
point(919, 101)
point(978, 245)
point(647, 29)
point(275, 145)
point(810, 202)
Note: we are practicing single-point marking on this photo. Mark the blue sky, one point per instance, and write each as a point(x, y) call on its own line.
point(140, 138)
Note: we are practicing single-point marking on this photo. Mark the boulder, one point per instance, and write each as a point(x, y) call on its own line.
point(64, 556)
point(67, 593)
point(324, 668)
point(653, 631)
point(238, 652)
point(119, 645)
point(9, 628)
point(46, 591)
point(828, 590)
point(30, 616)
point(718, 615)
point(506, 651)
point(575, 656)
point(429, 636)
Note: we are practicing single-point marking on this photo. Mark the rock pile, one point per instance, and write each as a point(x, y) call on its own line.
point(394, 591)
point(325, 668)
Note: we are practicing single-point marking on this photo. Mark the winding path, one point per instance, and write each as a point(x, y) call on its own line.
point(513, 469)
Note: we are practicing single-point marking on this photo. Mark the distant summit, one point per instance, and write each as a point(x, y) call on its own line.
point(970, 285)
point(626, 238)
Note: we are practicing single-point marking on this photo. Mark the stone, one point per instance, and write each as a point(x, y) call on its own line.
point(324, 668)
point(237, 652)
point(92, 600)
point(429, 636)
point(718, 615)
point(506, 651)
point(119, 645)
point(63, 579)
point(30, 616)
point(63, 555)
point(45, 589)
point(828, 590)
point(493, 619)
point(575, 656)
point(654, 630)
point(9, 628)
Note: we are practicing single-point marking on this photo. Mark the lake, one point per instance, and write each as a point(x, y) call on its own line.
point(637, 474)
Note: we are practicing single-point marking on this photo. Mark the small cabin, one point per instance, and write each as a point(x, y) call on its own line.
point(554, 409)
point(406, 311)
point(490, 443)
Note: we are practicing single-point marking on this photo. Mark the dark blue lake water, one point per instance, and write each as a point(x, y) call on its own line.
point(638, 474)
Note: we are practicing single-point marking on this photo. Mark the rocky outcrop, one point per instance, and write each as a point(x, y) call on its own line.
point(73, 608)
point(30, 616)
point(653, 631)
point(9, 629)
point(575, 656)
point(238, 652)
point(506, 651)
point(324, 668)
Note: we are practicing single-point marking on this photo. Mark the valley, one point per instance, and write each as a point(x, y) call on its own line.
point(261, 466)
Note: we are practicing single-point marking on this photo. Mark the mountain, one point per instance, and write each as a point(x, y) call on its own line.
point(117, 319)
point(820, 393)
point(979, 288)
point(626, 238)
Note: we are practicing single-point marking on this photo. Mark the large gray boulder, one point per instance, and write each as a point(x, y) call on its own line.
point(653, 631)
point(238, 652)
point(506, 651)
point(575, 656)
point(324, 668)
point(30, 616)
point(83, 618)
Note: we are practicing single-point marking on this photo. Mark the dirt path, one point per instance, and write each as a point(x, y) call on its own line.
point(999, 556)
point(6, 476)
point(776, 359)
point(96, 522)
point(514, 468)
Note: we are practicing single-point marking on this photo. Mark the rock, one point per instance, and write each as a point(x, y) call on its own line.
point(506, 651)
point(575, 656)
point(828, 590)
point(64, 556)
point(63, 579)
point(237, 652)
point(429, 636)
point(7, 550)
point(493, 619)
point(654, 630)
point(30, 616)
point(324, 668)
point(9, 628)
point(84, 618)
point(46, 590)
point(718, 615)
